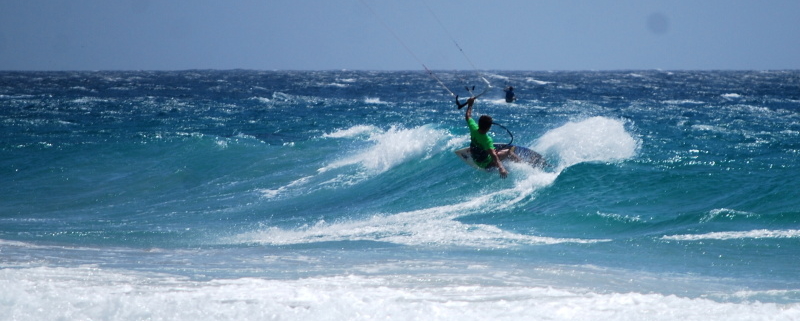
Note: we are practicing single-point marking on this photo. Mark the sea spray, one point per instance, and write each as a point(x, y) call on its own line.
point(389, 148)
point(596, 139)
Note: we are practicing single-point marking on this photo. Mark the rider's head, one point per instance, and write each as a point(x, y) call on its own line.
point(484, 123)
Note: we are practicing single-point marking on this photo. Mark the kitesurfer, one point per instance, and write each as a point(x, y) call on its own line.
point(481, 145)
point(510, 98)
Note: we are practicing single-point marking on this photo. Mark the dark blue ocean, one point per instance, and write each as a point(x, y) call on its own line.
point(336, 195)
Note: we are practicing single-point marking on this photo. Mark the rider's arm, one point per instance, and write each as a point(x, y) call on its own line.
point(498, 163)
point(469, 103)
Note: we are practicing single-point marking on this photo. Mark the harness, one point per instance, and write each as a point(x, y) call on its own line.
point(478, 154)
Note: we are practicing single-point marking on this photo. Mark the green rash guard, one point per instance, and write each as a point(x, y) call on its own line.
point(480, 145)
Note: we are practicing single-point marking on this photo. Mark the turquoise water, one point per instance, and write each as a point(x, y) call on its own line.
point(336, 195)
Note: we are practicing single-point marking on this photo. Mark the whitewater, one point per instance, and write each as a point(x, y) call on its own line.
point(336, 195)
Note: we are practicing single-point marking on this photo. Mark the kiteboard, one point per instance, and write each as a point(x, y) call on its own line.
point(526, 155)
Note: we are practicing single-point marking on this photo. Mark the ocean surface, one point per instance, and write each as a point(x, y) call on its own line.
point(336, 195)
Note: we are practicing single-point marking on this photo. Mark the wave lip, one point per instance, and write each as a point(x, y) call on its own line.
point(391, 147)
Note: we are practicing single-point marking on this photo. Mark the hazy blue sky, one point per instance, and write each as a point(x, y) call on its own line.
point(346, 34)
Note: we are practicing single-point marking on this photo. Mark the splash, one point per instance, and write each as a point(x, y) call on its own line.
point(391, 148)
point(386, 150)
point(351, 132)
point(596, 139)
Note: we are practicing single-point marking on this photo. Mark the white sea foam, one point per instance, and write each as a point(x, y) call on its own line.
point(374, 101)
point(594, 139)
point(336, 84)
point(724, 212)
point(496, 76)
point(683, 102)
point(390, 148)
point(264, 100)
point(731, 96)
point(279, 96)
point(352, 131)
point(498, 101)
point(733, 235)
point(709, 128)
point(91, 293)
point(272, 193)
point(619, 217)
point(537, 82)
point(432, 226)
point(16, 96)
